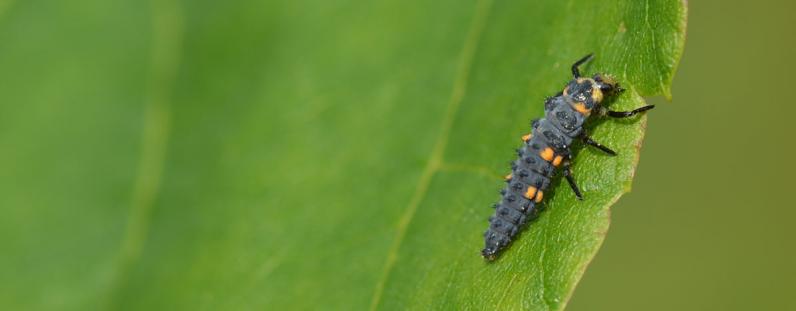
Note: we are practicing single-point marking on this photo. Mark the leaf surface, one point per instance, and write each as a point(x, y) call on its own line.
point(303, 154)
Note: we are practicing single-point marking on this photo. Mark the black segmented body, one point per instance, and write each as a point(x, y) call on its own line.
point(546, 150)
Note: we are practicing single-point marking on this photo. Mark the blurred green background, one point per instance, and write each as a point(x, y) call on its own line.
point(709, 224)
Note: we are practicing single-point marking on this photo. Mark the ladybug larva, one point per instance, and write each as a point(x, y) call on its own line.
point(547, 150)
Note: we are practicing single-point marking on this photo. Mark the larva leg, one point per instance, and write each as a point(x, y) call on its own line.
point(575, 70)
point(571, 181)
point(587, 140)
point(626, 114)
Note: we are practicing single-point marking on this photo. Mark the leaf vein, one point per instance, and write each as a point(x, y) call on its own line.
point(164, 62)
point(435, 161)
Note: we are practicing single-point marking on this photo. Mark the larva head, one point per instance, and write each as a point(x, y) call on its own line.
point(586, 93)
point(607, 85)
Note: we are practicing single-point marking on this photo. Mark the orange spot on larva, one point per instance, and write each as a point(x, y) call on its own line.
point(596, 95)
point(527, 137)
point(557, 160)
point(539, 196)
point(530, 193)
point(580, 107)
point(507, 177)
point(547, 154)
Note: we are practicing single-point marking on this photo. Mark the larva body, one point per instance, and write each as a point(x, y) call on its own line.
point(547, 150)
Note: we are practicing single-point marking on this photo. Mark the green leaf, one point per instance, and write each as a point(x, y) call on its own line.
point(303, 154)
